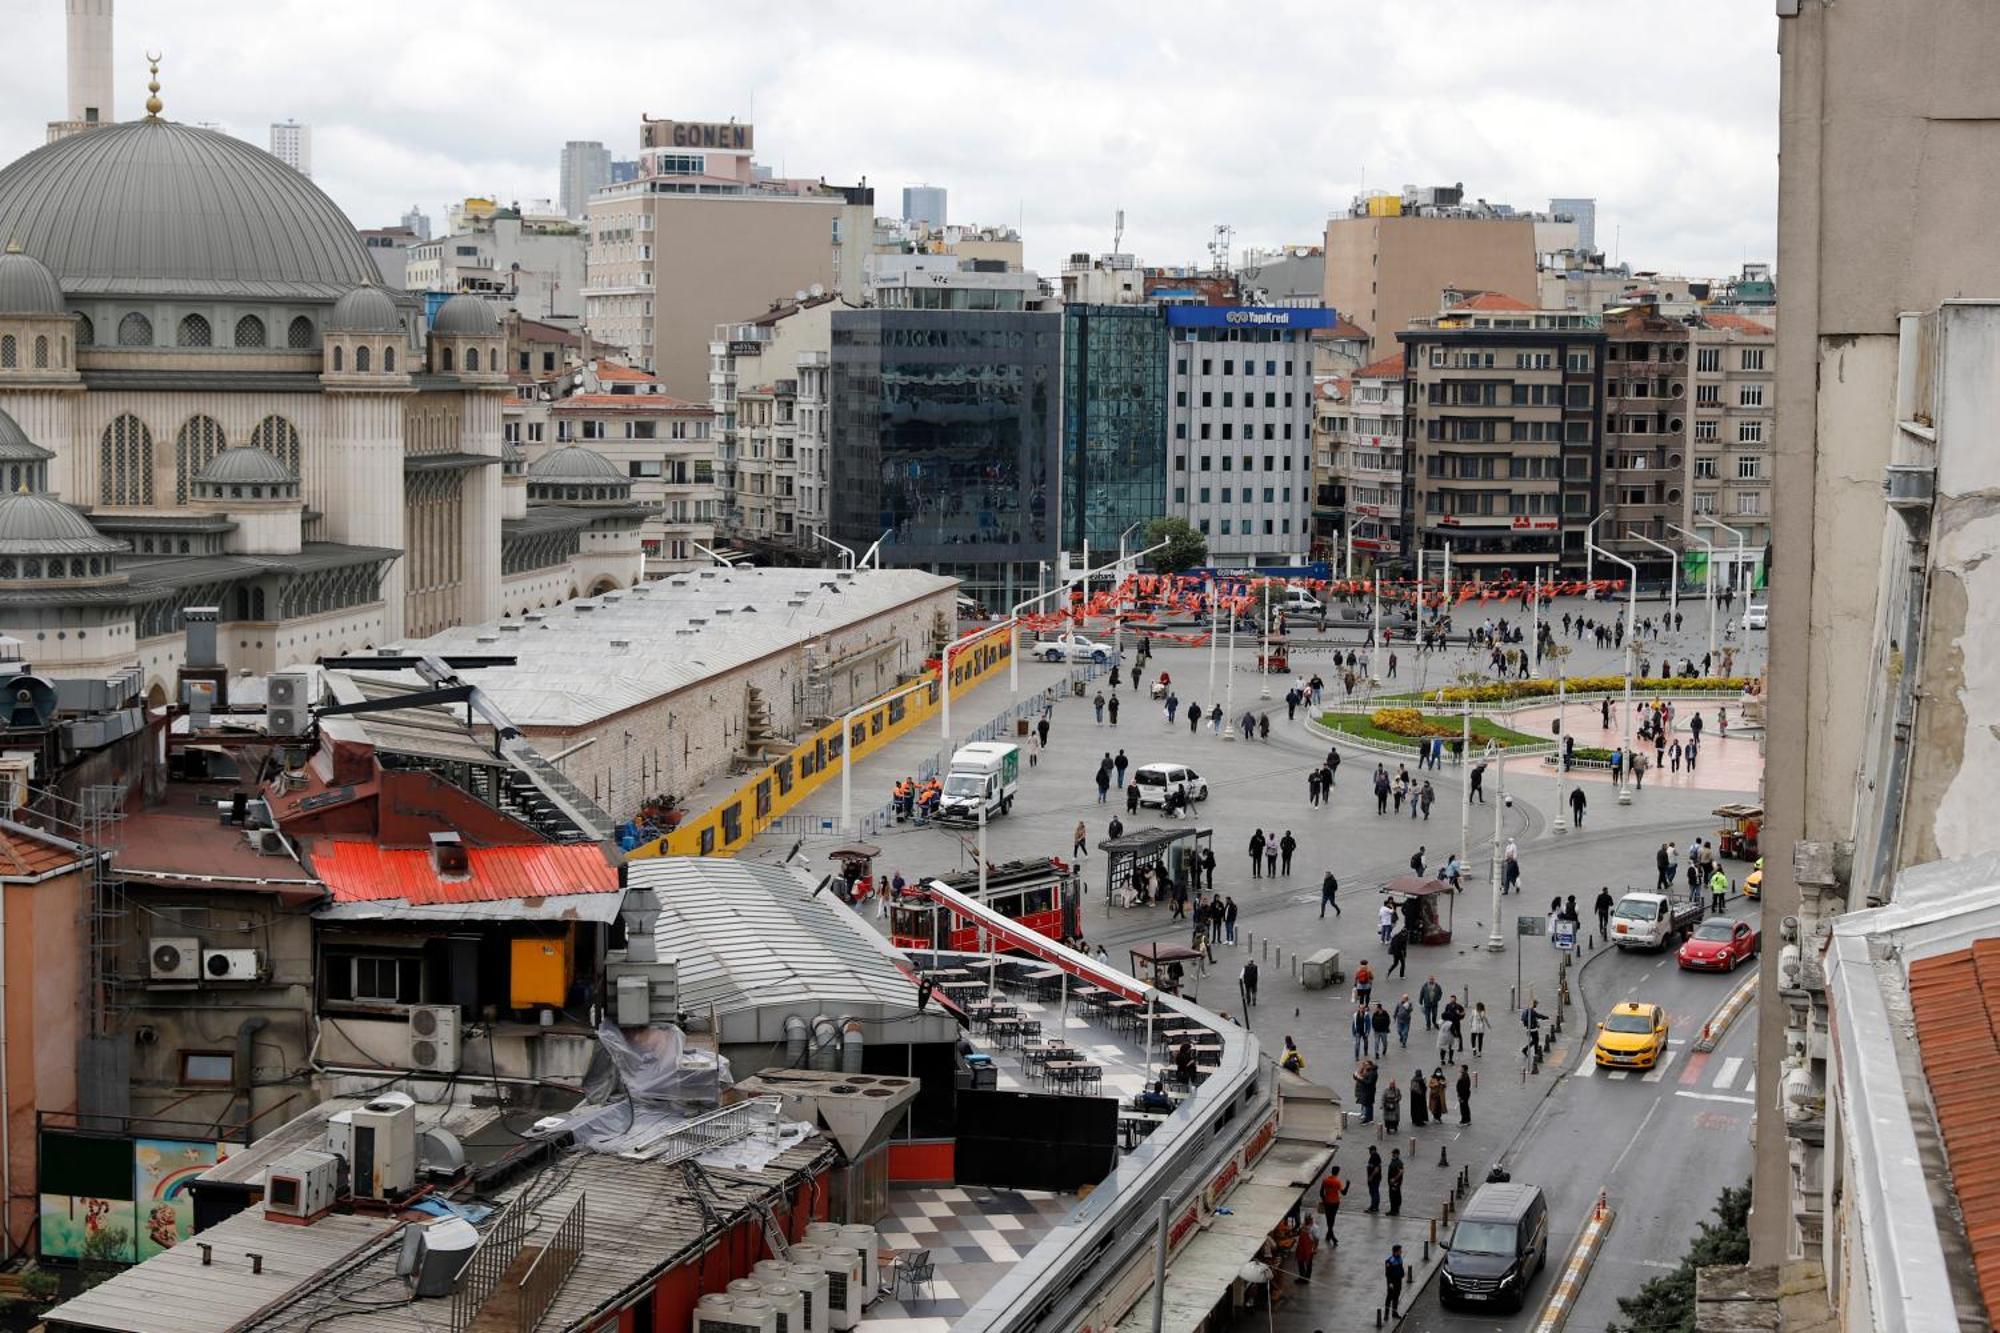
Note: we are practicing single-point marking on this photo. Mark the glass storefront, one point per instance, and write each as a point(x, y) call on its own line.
point(1114, 422)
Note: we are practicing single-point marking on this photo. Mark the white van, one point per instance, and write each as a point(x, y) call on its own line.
point(1757, 617)
point(1156, 780)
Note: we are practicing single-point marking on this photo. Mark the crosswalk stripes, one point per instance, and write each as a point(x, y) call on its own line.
point(1727, 1075)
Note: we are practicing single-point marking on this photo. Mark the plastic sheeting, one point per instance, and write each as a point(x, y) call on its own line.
point(647, 1078)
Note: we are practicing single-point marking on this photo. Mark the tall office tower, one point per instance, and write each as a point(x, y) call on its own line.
point(1585, 213)
point(292, 144)
point(586, 168)
point(925, 204)
point(418, 222)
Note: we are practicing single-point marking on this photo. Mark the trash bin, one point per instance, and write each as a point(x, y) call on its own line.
point(1076, 688)
point(1020, 726)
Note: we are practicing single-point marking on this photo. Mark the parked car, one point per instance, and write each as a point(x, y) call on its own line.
point(1718, 945)
point(1757, 617)
point(1073, 648)
point(1500, 1243)
point(1156, 780)
point(1632, 1036)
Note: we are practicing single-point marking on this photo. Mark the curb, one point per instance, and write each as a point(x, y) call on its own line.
point(1717, 1026)
point(1576, 1271)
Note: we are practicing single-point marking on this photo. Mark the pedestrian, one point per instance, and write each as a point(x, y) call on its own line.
point(1194, 718)
point(1374, 1168)
point(1477, 1026)
point(1392, 1109)
point(1097, 707)
point(1395, 1179)
point(1250, 983)
point(1132, 799)
point(1394, 1270)
point(1229, 920)
point(1386, 921)
point(1399, 954)
point(1404, 1010)
point(1419, 1096)
point(1381, 790)
point(1674, 757)
point(1453, 1040)
point(1312, 787)
point(1359, 1029)
point(1103, 782)
point(1116, 828)
point(1427, 795)
point(1364, 1090)
point(1331, 1187)
point(1378, 1023)
point(1215, 720)
point(1555, 915)
point(1257, 854)
point(1329, 889)
point(1478, 790)
point(1604, 711)
point(1332, 767)
point(1718, 890)
point(1604, 904)
point(1263, 726)
point(1577, 802)
point(1465, 1094)
point(1208, 868)
point(1429, 996)
point(1173, 707)
point(1286, 846)
point(1364, 982)
point(1417, 862)
point(1531, 1023)
point(1291, 705)
point(1307, 1247)
point(1042, 733)
point(1510, 877)
point(1270, 858)
point(1080, 842)
point(1111, 708)
point(1440, 1098)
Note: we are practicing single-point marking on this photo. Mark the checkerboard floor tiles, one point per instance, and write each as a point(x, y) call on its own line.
point(974, 1235)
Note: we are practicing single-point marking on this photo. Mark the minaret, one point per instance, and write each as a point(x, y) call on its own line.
point(89, 69)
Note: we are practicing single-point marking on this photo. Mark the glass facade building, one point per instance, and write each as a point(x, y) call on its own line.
point(943, 436)
point(1114, 465)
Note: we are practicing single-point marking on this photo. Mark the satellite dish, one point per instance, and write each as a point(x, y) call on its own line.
point(799, 295)
point(817, 290)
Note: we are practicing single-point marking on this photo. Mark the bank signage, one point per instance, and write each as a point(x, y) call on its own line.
point(1249, 317)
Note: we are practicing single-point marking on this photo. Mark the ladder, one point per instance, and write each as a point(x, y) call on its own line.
point(774, 1235)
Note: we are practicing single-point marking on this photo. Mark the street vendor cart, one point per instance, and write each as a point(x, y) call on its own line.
point(1739, 839)
point(1423, 905)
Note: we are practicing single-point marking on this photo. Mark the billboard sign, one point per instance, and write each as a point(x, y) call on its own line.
point(1249, 317)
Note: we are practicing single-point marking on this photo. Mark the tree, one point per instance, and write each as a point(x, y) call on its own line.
point(1185, 549)
point(1666, 1304)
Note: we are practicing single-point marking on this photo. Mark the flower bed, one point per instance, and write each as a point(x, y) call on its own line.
point(1405, 725)
point(1509, 691)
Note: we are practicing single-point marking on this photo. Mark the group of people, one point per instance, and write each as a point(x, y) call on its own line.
point(1322, 777)
point(913, 798)
point(1704, 871)
point(1402, 788)
point(1271, 855)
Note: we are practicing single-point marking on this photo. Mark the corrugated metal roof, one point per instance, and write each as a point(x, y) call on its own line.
point(358, 871)
point(1957, 1002)
point(30, 854)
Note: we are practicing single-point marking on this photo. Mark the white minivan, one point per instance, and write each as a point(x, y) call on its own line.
point(1757, 617)
point(1156, 780)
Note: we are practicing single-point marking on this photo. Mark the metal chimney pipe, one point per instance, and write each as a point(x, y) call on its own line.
point(199, 622)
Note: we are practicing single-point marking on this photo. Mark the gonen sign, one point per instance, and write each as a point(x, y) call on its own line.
point(699, 134)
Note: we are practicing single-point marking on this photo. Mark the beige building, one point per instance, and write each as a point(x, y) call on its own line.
point(1366, 463)
point(1882, 716)
point(1384, 272)
point(1731, 434)
point(704, 235)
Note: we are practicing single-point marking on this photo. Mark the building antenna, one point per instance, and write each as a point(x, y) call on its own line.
point(1118, 231)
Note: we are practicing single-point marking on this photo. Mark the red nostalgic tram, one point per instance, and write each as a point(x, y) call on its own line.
point(1041, 895)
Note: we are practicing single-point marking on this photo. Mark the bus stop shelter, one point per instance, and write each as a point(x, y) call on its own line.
point(1131, 854)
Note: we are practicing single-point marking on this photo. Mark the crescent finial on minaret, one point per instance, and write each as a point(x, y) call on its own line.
point(153, 103)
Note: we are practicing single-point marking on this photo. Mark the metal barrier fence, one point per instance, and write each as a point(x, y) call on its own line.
point(498, 1248)
point(545, 1276)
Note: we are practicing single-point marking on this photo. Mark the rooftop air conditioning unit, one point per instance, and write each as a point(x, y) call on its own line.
point(174, 959)
point(301, 1186)
point(230, 964)
point(287, 690)
point(434, 1038)
point(720, 1312)
point(286, 721)
point(384, 1164)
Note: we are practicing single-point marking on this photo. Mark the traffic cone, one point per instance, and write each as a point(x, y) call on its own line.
point(1602, 1204)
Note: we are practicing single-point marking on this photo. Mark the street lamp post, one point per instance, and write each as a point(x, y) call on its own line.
point(1631, 646)
point(1465, 783)
point(1535, 621)
point(1559, 652)
point(1709, 595)
point(1496, 941)
point(1589, 545)
point(845, 550)
point(1736, 571)
point(1673, 578)
point(1118, 606)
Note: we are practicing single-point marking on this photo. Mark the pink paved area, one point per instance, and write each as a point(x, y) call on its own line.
point(1733, 763)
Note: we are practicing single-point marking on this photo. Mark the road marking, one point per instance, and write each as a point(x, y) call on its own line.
point(1692, 1070)
point(1730, 1068)
point(1714, 1097)
point(1659, 1070)
point(1563, 1295)
point(1616, 1073)
point(1633, 1141)
point(1751, 1086)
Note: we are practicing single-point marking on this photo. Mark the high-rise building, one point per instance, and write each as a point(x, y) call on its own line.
point(623, 169)
point(738, 244)
point(1358, 454)
point(291, 144)
point(1390, 259)
point(1503, 434)
point(1584, 213)
point(924, 205)
point(1114, 470)
point(945, 442)
point(89, 88)
point(586, 169)
point(417, 223)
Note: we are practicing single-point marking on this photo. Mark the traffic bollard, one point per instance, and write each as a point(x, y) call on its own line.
point(1427, 1251)
point(1443, 1158)
point(1413, 1148)
point(1434, 1226)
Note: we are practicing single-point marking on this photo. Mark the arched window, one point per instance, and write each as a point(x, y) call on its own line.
point(9, 353)
point(65, 353)
point(249, 331)
point(195, 447)
point(125, 463)
point(336, 358)
point(472, 358)
point(41, 352)
point(444, 360)
point(388, 359)
point(194, 332)
point(86, 332)
point(135, 330)
point(361, 360)
point(280, 439)
point(256, 603)
point(299, 337)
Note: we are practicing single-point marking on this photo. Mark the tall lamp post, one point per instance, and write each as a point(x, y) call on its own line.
point(1589, 545)
point(1118, 607)
point(1631, 646)
point(1709, 596)
point(1559, 651)
point(1736, 571)
point(1496, 941)
point(1673, 579)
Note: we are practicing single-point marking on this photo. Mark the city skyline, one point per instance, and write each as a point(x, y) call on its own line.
point(1055, 146)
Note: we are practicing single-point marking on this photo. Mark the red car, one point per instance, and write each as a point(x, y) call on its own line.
point(1718, 945)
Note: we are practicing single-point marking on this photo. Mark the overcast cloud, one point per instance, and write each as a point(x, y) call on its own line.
point(1050, 115)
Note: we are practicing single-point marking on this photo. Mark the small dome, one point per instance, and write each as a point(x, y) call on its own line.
point(465, 316)
point(39, 525)
point(511, 457)
point(573, 463)
point(16, 447)
point(365, 310)
point(245, 466)
point(27, 287)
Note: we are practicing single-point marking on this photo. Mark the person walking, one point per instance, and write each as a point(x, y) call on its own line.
point(1381, 790)
point(1394, 1270)
point(1465, 1094)
point(1358, 1028)
point(1229, 920)
point(1286, 846)
point(1374, 1171)
point(1194, 718)
point(1332, 768)
point(1257, 854)
point(1097, 707)
point(1404, 1011)
point(1604, 904)
point(1453, 1040)
point(1477, 791)
point(1429, 996)
point(1510, 879)
point(1119, 765)
point(1111, 709)
point(1394, 1175)
point(1250, 983)
point(1103, 783)
point(1663, 867)
point(1392, 1109)
point(1132, 799)
point(1312, 787)
point(1329, 889)
point(1080, 842)
point(1399, 955)
point(1577, 804)
point(1428, 794)
point(1417, 862)
point(1477, 1027)
point(1331, 1188)
point(1215, 720)
point(1385, 922)
point(1420, 1107)
point(1042, 733)
point(1364, 982)
point(1378, 1023)
point(1306, 1249)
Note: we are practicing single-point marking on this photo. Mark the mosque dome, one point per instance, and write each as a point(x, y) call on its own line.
point(41, 525)
point(153, 208)
point(365, 310)
point(574, 463)
point(26, 285)
point(245, 466)
point(465, 316)
point(16, 447)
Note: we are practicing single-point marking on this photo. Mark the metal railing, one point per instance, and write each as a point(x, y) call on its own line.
point(543, 1281)
point(716, 1129)
point(498, 1248)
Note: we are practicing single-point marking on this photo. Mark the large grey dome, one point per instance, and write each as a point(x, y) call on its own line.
point(16, 447)
point(151, 208)
point(573, 463)
point(27, 287)
point(465, 316)
point(245, 466)
point(39, 525)
point(364, 310)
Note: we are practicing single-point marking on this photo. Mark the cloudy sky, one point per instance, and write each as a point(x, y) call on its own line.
point(1265, 116)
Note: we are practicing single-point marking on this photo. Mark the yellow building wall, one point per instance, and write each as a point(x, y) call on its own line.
point(778, 787)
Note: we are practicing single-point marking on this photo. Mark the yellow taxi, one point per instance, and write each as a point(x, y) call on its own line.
point(1632, 1036)
point(1753, 883)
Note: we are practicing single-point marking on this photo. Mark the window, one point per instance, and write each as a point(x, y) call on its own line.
point(1750, 502)
point(1208, 462)
point(1180, 495)
point(1749, 432)
point(1180, 366)
point(644, 468)
point(1206, 430)
point(1704, 431)
point(195, 446)
point(1708, 359)
point(1180, 430)
point(1204, 494)
point(10, 356)
point(444, 360)
point(1578, 396)
point(472, 358)
point(1704, 469)
point(209, 1069)
point(1207, 366)
point(1753, 358)
point(361, 360)
point(339, 362)
point(374, 978)
point(135, 330)
point(279, 438)
point(1180, 462)
point(299, 336)
point(1749, 395)
point(1577, 363)
point(1228, 431)
point(1225, 527)
point(1704, 502)
point(1749, 467)
point(1180, 398)
point(388, 358)
point(249, 331)
point(193, 332)
point(1207, 398)
point(125, 463)
point(1227, 495)
point(41, 352)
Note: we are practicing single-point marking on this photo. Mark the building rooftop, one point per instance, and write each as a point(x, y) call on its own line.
point(183, 842)
point(630, 402)
point(1491, 301)
point(1956, 997)
point(1740, 323)
point(28, 854)
point(1390, 367)
point(597, 656)
point(356, 870)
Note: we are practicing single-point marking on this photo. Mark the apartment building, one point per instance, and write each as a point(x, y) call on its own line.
point(1731, 434)
point(1645, 467)
point(703, 235)
point(1329, 511)
point(1359, 445)
point(521, 261)
point(1503, 433)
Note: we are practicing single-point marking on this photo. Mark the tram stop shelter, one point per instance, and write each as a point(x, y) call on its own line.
point(1131, 854)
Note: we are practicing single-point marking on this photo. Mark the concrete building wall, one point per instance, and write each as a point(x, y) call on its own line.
point(1383, 272)
point(44, 952)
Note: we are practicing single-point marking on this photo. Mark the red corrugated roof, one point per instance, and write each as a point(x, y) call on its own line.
point(614, 370)
point(1957, 1003)
point(29, 856)
point(1388, 368)
point(358, 871)
point(633, 402)
point(1491, 301)
point(1741, 323)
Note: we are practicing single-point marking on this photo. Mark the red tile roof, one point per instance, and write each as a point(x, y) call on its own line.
point(26, 854)
point(1491, 301)
point(632, 402)
point(357, 871)
point(1741, 323)
point(1343, 328)
point(1957, 1003)
point(1388, 368)
point(615, 370)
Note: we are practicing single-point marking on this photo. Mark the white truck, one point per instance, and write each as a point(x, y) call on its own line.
point(983, 778)
point(1652, 920)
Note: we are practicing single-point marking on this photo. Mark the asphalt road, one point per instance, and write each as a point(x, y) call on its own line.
point(1662, 1145)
